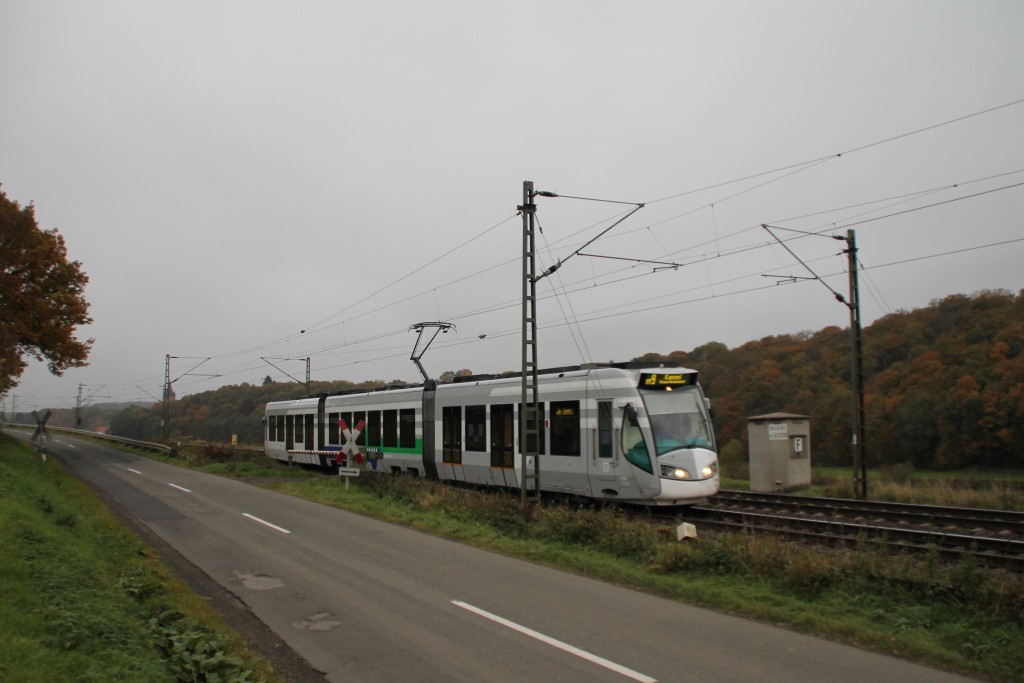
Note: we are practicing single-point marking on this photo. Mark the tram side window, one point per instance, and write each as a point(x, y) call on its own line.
point(407, 428)
point(390, 428)
point(604, 429)
point(451, 434)
point(297, 427)
point(271, 429)
point(373, 428)
point(356, 418)
point(333, 431)
point(565, 428)
point(347, 417)
point(540, 428)
point(280, 427)
point(476, 428)
point(309, 432)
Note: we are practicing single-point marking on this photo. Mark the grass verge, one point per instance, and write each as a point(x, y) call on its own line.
point(85, 600)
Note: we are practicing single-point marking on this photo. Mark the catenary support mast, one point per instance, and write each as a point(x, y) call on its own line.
point(860, 470)
point(529, 463)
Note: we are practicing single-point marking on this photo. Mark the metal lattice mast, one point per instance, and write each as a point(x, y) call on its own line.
point(78, 406)
point(860, 469)
point(529, 441)
point(167, 397)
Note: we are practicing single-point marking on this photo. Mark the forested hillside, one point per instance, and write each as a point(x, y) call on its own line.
point(944, 385)
point(944, 389)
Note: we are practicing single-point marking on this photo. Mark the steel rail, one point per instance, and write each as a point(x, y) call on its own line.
point(999, 521)
point(993, 537)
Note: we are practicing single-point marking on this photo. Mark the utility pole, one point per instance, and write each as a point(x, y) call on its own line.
point(78, 407)
point(168, 391)
point(530, 414)
point(529, 445)
point(167, 398)
point(860, 470)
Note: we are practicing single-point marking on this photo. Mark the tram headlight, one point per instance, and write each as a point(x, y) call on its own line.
point(673, 472)
point(709, 470)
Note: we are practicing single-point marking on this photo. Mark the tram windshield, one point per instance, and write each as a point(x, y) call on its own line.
point(679, 419)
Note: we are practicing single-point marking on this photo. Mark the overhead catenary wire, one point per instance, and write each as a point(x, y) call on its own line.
point(608, 312)
point(409, 274)
point(929, 206)
point(589, 317)
point(838, 155)
point(584, 350)
point(568, 288)
point(558, 264)
point(839, 297)
point(792, 167)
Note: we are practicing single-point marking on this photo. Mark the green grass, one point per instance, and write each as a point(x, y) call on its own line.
point(86, 600)
point(994, 490)
point(966, 476)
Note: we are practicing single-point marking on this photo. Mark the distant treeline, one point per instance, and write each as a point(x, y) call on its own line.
point(216, 416)
point(944, 389)
point(90, 417)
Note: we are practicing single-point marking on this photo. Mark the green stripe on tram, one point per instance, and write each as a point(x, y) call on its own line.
point(416, 450)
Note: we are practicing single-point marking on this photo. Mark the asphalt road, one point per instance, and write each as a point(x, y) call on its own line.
point(367, 601)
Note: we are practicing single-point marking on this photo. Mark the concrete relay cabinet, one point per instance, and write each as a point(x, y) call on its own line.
point(780, 452)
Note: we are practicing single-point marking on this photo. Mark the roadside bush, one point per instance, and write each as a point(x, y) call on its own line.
point(218, 453)
point(608, 529)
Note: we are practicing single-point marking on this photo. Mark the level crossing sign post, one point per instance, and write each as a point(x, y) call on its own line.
point(41, 435)
point(350, 450)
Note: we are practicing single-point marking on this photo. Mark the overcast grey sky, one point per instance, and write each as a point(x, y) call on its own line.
point(231, 173)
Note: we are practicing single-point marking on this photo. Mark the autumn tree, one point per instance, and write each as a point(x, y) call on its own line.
point(42, 299)
point(448, 376)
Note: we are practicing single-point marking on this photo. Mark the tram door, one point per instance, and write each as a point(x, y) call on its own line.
point(605, 458)
point(611, 476)
point(503, 444)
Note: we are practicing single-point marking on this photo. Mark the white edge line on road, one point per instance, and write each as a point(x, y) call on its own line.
point(180, 488)
point(635, 675)
point(265, 523)
point(135, 471)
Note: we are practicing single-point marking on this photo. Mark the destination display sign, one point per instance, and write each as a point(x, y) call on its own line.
point(665, 380)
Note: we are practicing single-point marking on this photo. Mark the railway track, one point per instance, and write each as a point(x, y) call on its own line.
point(994, 538)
